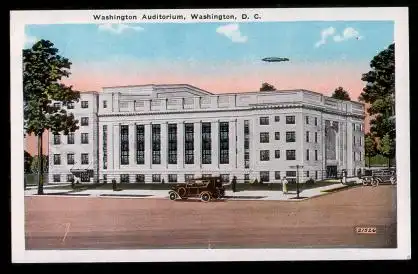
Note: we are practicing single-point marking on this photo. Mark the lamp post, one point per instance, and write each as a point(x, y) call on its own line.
point(297, 179)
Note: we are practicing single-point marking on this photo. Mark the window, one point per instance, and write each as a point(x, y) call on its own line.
point(188, 177)
point(264, 120)
point(84, 158)
point(206, 143)
point(57, 105)
point(57, 159)
point(307, 174)
point(156, 178)
point(70, 138)
point(124, 178)
point(84, 138)
point(246, 143)
point(85, 177)
point(264, 155)
point(104, 146)
point(307, 136)
point(307, 155)
point(277, 118)
point(84, 104)
point(307, 120)
point(291, 154)
point(247, 159)
point(264, 137)
point(70, 159)
point(224, 143)
point(290, 136)
point(124, 145)
point(246, 178)
point(156, 144)
point(140, 178)
point(57, 139)
point(246, 127)
point(277, 135)
point(189, 143)
point(57, 178)
point(140, 144)
point(277, 154)
point(264, 176)
point(316, 121)
point(316, 174)
point(70, 105)
point(290, 120)
point(172, 143)
point(316, 137)
point(291, 173)
point(316, 155)
point(172, 178)
point(277, 175)
point(84, 121)
point(70, 177)
point(105, 178)
point(354, 140)
point(104, 104)
point(224, 178)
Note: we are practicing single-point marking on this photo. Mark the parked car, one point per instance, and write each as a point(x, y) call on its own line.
point(376, 177)
point(204, 188)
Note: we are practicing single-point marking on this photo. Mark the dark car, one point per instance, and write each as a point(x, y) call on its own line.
point(204, 188)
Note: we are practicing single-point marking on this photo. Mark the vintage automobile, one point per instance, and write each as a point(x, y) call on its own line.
point(376, 177)
point(204, 188)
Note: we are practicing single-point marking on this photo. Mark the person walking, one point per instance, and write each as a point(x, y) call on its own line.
point(284, 185)
point(234, 184)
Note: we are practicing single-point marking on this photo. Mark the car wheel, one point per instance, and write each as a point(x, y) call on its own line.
point(375, 182)
point(365, 182)
point(205, 197)
point(393, 180)
point(173, 196)
point(182, 192)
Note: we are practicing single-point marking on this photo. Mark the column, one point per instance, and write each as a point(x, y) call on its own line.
point(148, 146)
point(116, 146)
point(240, 144)
point(132, 144)
point(164, 144)
point(233, 144)
point(198, 144)
point(180, 145)
point(215, 143)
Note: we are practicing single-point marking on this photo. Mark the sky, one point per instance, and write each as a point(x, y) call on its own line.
point(219, 57)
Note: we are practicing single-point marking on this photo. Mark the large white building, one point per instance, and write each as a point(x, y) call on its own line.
point(152, 133)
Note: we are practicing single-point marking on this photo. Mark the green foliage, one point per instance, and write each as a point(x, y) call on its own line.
point(267, 87)
point(42, 73)
point(28, 161)
point(34, 168)
point(379, 92)
point(341, 94)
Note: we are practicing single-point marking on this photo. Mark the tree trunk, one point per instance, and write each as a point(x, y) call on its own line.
point(369, 161)
point(40, 167)
point(389, 162)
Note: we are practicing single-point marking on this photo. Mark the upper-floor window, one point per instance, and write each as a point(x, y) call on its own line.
point(307, 136)
point(84, 138)
point(290, 119)
point(316, 121)
point(84, 104)
point(104, 104)
point(291, 154)
point(70, 138)
point(70, 105)
point(277, 118)
point(70, 159)
point(57, 139)
point(84, 121)
point(264, 137)
point(57, 105)
point(84, 158)
point(307, 120)
point(290, 136)
point(277, 135)
point(57, 159)
point(264, 120)
point(277, 154)
point(264, 155)
point(316, 137)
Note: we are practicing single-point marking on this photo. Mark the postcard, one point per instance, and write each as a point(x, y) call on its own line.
point(210, 135)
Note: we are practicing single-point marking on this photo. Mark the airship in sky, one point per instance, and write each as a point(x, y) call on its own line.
point(275, 59)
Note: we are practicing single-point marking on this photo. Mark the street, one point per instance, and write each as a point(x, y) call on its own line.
point(110, 223)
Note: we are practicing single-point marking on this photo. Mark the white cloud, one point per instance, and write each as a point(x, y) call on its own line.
point(348, 33)
point(232, 32)
point(30, 40)
point(325, 33)
point(119, 28)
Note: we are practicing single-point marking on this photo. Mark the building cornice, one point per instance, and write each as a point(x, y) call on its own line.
point(254, 107)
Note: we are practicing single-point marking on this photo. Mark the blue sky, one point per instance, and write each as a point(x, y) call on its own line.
point(201, 41)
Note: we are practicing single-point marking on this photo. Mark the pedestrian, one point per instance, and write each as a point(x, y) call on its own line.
point(114, 184)
point(234, 184)
point(284, 185)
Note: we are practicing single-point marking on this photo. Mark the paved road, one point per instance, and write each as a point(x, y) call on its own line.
point(100, 223)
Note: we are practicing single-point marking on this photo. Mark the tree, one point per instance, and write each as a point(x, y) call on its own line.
point(34, 168)
point(341, 94)
point(379, 92)
point(43, 70)
point(387, 148)
point(28, 161)
point(370, 146)
point(267, 87)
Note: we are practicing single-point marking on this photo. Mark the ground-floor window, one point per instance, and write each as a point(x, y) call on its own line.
point(264, 176)
point(57, 178)
point(124, 178)
point(140, 178)
point(156, 178)
point(70, 177)
point(85, 177)
point(188, 177)
point(307, 174)
point(316, 174)
point(277, 175)
point(105, 178)
point(225, 178)
point(172, 178)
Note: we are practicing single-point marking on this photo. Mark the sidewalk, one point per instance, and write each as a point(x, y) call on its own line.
point(163, 194)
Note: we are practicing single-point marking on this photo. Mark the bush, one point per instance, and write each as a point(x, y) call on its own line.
point(310, 181)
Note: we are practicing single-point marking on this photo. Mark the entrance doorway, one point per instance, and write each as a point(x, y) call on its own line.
point(331, 171)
